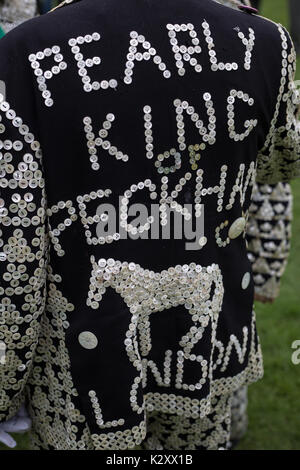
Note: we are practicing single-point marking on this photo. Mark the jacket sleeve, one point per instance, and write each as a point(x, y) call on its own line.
point(23, 240)
point(279, 159)
point(268, 236)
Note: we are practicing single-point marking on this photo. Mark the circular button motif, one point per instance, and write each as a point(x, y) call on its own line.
point(87, 340)
point(237, 227)
point(246, 280)
point(202, 241)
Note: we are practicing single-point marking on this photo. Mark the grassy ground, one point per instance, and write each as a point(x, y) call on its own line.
point(274, 405)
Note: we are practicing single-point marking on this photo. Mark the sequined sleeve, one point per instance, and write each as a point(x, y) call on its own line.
point(23, 255)
point(268, 233)
point(279, 159)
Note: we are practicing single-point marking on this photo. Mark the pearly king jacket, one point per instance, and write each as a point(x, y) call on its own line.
point(131, 136)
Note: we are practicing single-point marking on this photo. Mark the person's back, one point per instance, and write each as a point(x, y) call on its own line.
point(111, 104)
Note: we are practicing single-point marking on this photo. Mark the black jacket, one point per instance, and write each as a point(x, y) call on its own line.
point(110, 104)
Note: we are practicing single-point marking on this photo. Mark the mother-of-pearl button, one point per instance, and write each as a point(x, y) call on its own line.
point(87, 340)
point(237, 227)
point(246, 280)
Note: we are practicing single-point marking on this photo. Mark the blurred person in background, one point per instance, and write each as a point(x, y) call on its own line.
point(268, 236)
point(14, 12)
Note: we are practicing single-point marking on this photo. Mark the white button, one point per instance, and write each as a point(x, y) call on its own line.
point(88, 340)
point(202, 241)
point(237, 227)
point(246, 280)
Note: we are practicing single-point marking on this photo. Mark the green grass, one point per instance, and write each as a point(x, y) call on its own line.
point(274, 405)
